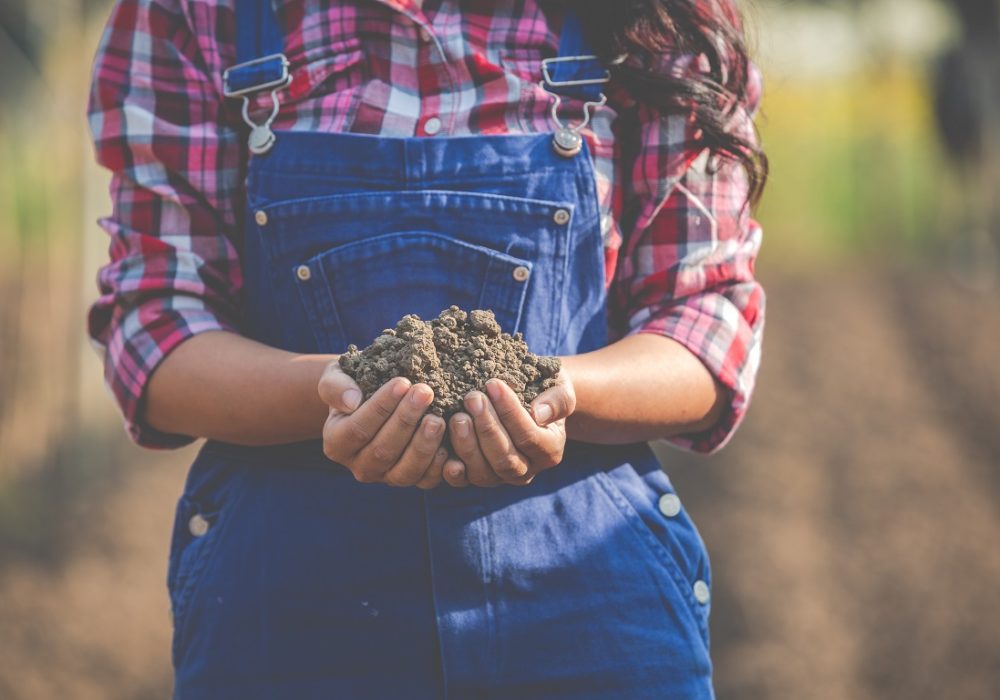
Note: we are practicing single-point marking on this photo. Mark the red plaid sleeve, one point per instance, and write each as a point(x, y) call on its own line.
point(173, 271)
point(686, 269)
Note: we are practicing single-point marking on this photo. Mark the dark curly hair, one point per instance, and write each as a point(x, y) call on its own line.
point(633, 37)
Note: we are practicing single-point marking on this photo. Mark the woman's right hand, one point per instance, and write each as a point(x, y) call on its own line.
point(387, 439)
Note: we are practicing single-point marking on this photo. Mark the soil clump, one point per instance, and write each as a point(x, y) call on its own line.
point(455, 353)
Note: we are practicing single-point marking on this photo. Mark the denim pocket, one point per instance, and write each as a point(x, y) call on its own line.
point(352, 264)
point(199, 524)
point(672, 540)
point(352, 292)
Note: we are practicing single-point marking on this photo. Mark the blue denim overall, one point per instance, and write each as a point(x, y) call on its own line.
point(289, 579)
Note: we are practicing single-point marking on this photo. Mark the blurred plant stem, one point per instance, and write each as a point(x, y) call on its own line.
point(45, 173)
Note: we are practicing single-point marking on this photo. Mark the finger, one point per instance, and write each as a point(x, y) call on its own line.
point(466, 446)
point(419, 453)
point(554, 404)
point(384, 450)
point(345, 436)
point(494, 442)
point(339, 391)
point(542, 447)
point(432, 477)
point(454, 473)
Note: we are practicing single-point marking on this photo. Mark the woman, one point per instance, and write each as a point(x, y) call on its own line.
point(295, 176)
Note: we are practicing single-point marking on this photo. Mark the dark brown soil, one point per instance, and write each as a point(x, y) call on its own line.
point(455, 353)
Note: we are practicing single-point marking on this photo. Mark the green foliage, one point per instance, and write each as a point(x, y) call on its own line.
point(855, 165)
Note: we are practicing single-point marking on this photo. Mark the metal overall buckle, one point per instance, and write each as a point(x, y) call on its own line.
point(567, 140)
point(269, 73)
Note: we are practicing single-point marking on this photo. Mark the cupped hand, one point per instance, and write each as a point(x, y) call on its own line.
point(499, 442)
point(387, 439)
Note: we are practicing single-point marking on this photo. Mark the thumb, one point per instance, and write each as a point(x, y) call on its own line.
point(339, 391)
point(554, 404)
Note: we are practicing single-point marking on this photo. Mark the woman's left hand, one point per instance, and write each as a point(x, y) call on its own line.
point(499, 442)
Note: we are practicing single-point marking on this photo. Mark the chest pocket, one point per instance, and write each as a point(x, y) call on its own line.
point(327, 69)
point(526, 65)
point(356, 290)
point(327, 81)
point(360, 262)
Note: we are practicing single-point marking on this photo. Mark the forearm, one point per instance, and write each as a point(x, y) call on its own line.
point(223, 386)
point(643, 387)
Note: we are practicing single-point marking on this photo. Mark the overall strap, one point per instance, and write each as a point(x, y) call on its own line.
point(572, 41)
point(258, 33)
point(576, 72)
point(260, 59)
point(260, 63)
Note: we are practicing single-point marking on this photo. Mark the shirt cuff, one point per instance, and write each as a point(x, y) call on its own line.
point(139, 342)
point(712, 328)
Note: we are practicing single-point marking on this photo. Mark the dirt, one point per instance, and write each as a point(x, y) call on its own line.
point(455, 353)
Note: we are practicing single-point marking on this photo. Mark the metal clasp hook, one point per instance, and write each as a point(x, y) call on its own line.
point(246, 79)
point(261, 137)
point(567, 140)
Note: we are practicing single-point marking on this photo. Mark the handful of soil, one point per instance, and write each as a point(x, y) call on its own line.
point(455, 353)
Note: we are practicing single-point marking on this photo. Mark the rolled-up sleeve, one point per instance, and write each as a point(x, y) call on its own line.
point(156, 120)
point(686, 269)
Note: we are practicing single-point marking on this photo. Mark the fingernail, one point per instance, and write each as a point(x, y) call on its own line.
point(493, 389)
point(432, 427)
point(400, 388)
point(475, 403)
point(351, 399)
point(419, 398)
point(455, 471)
point(542, 413)
point(462, 427)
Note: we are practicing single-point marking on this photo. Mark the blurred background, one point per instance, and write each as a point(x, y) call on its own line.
point(854, 522)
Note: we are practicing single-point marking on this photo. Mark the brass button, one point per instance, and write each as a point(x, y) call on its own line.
point(304, 273)
point(561, 217)
point(521, 273)
point(197, 525)
point(260, 217)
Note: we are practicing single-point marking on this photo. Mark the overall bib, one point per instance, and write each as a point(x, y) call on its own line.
point(289, 579)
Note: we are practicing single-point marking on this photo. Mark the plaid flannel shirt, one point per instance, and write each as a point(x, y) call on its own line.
point(680, 245)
